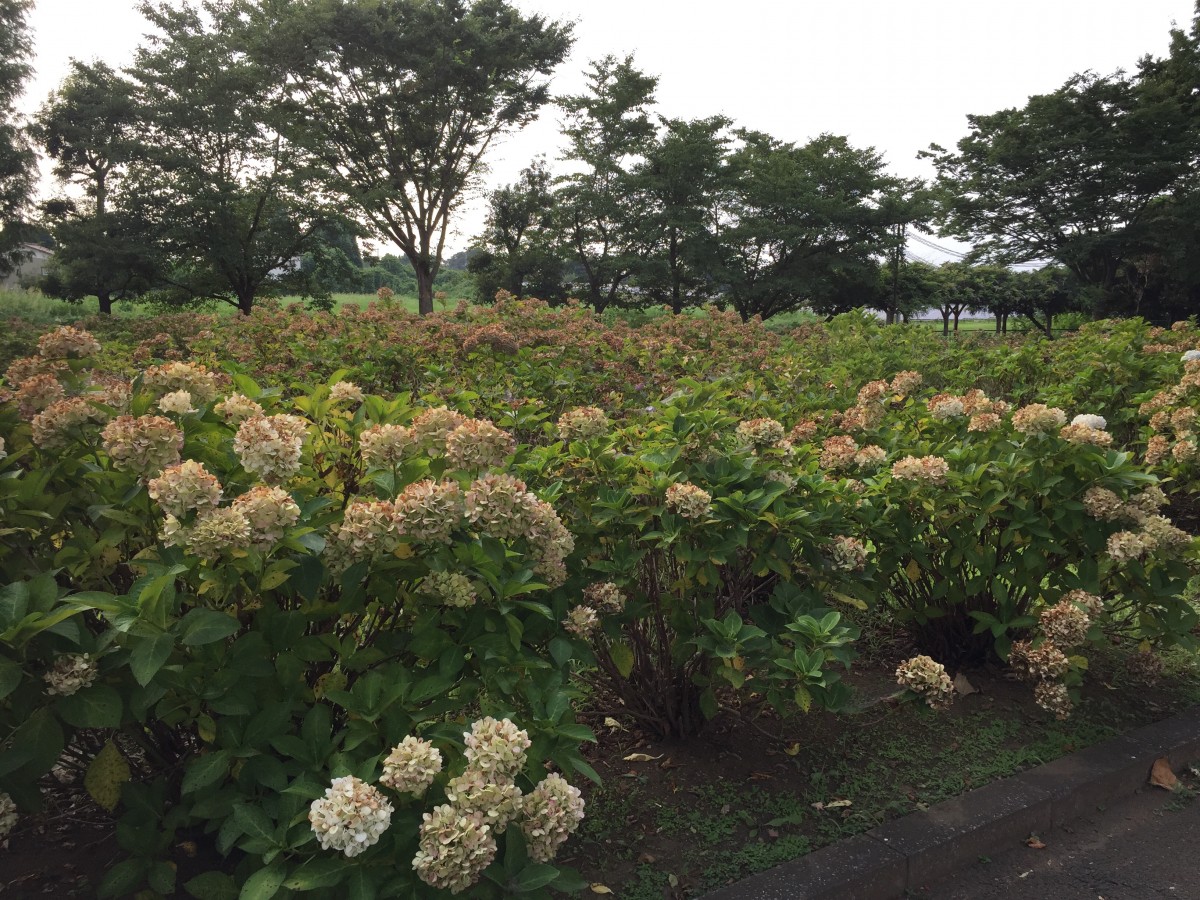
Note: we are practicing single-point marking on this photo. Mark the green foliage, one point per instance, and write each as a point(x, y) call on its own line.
point(17, 160)
point(239, 677)
point(401, 129)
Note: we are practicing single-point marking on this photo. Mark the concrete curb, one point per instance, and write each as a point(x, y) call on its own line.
point(921, 848)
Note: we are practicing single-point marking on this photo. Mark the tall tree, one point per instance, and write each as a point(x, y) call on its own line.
point(89, 128)
point(16, 155)
point(679, 185)
point(401, 99)
point(231, 205)
point(600, 218)
point(1071, 176)
point(519, 255)
point(803, 225)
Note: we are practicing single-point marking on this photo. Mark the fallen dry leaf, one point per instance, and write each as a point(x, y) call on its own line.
point(601, 889)
point(1162, 776)
point(792, 750)
point(963, 686)
point(1035, 842)
point(839, 804)
point(642, 757)
point(610, 722)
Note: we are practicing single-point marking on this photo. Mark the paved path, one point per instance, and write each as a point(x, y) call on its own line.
point(1143, 848)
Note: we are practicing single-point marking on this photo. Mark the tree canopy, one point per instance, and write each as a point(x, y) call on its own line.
point(16, 156)
point(399, 101)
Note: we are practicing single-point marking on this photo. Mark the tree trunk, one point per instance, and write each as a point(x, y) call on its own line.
point(246, 301)
point(945, 324)
point(424, 289)
point(105, 299)
point(957, 313)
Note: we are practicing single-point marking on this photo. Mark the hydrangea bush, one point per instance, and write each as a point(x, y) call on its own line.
point(296, 609)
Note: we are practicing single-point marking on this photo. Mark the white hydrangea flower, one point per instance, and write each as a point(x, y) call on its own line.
point(351, 817)
point(71, 673)
point(8, 815)
point(1190, 355)
point(456, 847)
point(496, 746)
point(346, 392)
point(552, 811)
point(177, 403)
point(1090, 421)
point(411, 766)
point(497, 797)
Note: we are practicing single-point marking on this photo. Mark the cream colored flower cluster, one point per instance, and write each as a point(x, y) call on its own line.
point(496, 745)
point(383, 446)
point(847, 554)
point(468, 444)
point(201, 385)
point(862, 416)
point(8, 815)
point(346, 392)
point(70, 673)
point(477, 444)
point(36, 393)
point(1053, 697)
point(185, 487)
point(449, 588)
point(1045, 662)
point(930, 469)
point(759, 432)
point(946, 406)
point(270, 512)
point(552, 812)
point(582, 621)
point(496, 797)
point(23, 368)
point(66, 342)
point(144, 445)
point(688, 500)
point(269, 446)
point(1157, 534)
point(176, 403)
point(214, 533)
point(1065, 624)
point(803, 432)
point(904, 383)
point(411, 766)
point(1089, 603)
point(928, 679)
point(837, 452)
point(430, 428)
point(458, 839)
point(55, 427)
point(429, 511)
point(1037, 418)
point(584, 423)
point(455, 848)
point(550, 543)
point(870, 457)
point(873, 392)
point(238, 408)
point(367, 531)
point(604, 596)
point(351, 817)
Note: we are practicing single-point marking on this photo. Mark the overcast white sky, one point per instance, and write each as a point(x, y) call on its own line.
point(893, 74)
